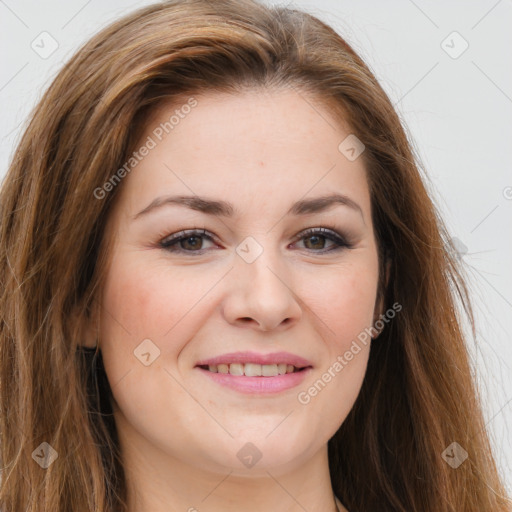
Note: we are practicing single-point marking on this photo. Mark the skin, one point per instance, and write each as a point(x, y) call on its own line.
point(179, 431)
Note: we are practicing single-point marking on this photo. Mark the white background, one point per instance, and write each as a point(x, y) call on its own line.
point(458, 111)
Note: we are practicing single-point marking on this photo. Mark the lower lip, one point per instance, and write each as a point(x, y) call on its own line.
point(258, 385)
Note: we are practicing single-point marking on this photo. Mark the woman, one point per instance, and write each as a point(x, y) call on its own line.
point(225, 285)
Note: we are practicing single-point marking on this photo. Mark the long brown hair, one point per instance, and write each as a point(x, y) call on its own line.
point(418, 396)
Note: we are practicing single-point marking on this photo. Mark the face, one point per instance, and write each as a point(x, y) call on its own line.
point(250, 276)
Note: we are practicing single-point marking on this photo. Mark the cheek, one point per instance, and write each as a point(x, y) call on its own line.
point(145, 300)
point(136, 307)
point(345, 301)
point(349, 314)
point(344, 305)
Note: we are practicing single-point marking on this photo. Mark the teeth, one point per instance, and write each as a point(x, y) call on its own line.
point(236, 369)
point(269, 370)
point(223, 368)
point(252, 369)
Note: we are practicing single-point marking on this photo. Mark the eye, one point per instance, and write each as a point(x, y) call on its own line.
point(190, 241)
point(316, 235)
point(187, 241)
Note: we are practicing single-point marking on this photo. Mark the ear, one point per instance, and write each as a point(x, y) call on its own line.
point(86, 325)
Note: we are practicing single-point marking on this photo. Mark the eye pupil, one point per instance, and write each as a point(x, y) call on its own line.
point(313, 237)
point(194, 246)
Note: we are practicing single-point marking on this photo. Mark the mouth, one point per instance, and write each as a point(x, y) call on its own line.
point(254, 373)
point(253, 369)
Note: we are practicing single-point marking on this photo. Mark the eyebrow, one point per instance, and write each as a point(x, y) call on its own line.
point(220, 208)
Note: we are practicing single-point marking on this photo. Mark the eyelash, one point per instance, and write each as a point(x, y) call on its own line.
point(170, 242)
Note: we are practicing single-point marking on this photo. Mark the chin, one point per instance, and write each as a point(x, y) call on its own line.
point(252, 455)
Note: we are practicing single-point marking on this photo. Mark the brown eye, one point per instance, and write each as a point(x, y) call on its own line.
point(317, 238)
point(189, 241)
point(193, 242)
point(316, 241)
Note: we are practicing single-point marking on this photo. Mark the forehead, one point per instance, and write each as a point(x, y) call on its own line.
point(269, 145)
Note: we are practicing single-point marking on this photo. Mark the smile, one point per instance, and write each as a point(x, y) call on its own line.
point(252, 369)
point(255, 379)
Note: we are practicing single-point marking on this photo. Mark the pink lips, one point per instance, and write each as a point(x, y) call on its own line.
point(255, 357)
point(257, 385)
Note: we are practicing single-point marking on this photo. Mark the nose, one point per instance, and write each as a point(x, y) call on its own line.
point(261, 294)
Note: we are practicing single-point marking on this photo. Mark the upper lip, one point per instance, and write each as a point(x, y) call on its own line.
point(257, 358)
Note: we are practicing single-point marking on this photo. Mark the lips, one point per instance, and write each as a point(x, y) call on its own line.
point(255, 358)
point(255, 373)
point(252, 369)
